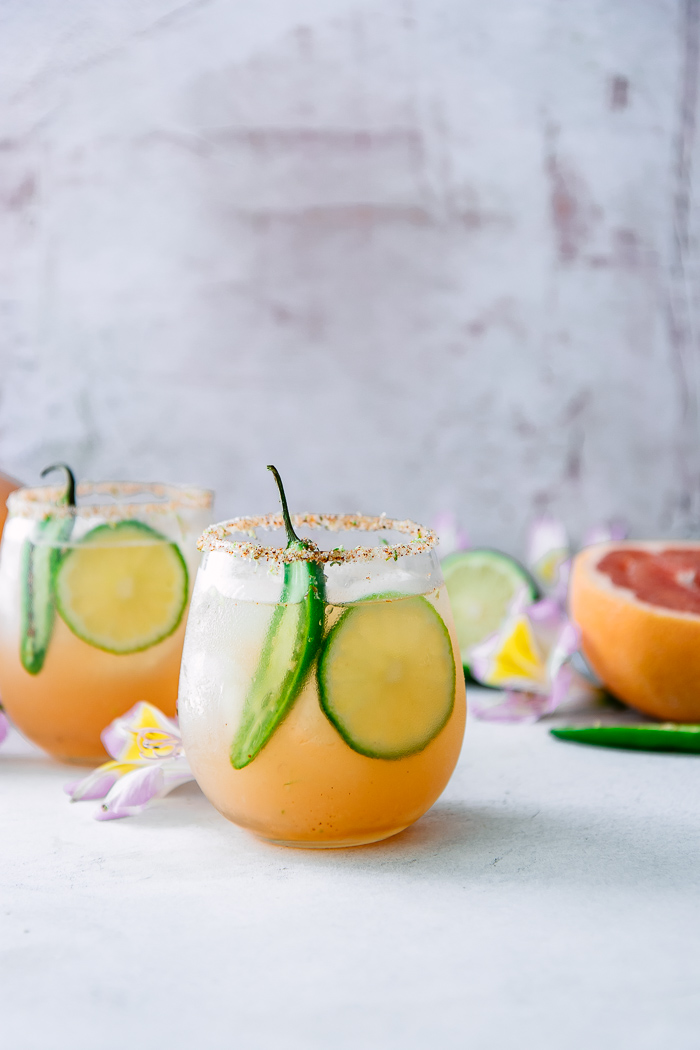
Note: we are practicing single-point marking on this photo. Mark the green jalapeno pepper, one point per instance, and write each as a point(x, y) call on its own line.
point(666, 737)
point(40, 559)
point(291, 645)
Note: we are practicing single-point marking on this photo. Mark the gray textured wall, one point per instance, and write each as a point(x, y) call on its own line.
point(422, 255)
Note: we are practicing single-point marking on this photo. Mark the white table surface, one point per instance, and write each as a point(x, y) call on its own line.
point(548, 900)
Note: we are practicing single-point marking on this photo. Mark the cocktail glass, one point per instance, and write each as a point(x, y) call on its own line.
point(93, 602)
point(7, 485)
point(322, 699)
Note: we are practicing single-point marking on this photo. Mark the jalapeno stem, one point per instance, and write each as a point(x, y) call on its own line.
point(70, 480)
point(288, 527)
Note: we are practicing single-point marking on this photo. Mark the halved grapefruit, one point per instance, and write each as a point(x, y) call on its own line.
point(638, 607)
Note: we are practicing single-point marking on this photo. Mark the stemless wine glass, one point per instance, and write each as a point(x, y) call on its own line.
point(322, 700)
point(7, 485)
point(93, 600)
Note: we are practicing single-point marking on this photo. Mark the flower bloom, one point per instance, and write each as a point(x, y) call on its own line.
point(529, 658)
point(549, 551)
point(452, 536)
point(147, 763)
point(549, 554)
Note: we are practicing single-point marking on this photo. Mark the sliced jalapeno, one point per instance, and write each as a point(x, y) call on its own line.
point(291, 645)
point(40, 559)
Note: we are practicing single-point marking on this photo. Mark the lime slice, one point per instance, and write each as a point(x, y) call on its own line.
point(123, 588)
point(481, 584)
point(387, 676)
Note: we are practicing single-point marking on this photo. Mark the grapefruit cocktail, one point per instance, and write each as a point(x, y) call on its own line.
point(7, 485)
point(322, 699)
point(94, 586)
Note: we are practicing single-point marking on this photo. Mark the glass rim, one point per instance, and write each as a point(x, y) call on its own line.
point(215, 538)
point(44, 500)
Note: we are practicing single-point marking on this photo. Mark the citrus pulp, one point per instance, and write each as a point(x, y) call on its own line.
point(638, 608)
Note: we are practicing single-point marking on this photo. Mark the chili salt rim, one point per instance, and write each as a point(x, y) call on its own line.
point(214, 538)
point(42, 501)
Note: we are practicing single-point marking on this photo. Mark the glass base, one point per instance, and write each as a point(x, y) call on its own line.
point(356, 840)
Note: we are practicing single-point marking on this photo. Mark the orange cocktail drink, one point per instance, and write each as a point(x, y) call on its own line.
point(7, 485)
point(93, 600)
point(322, 700)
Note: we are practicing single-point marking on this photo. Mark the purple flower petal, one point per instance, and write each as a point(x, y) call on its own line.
point(619, 530)
point(153, 779)
point(547, 613)
point(548, 551)
point(561, 686)
point(606, 532)
point(511, 706)
point(528, 700)
point(452, 537)
point(546, 534)
point(520, 706)
point(114, 737)
point(564, 648)
point(560, 590)
point(132, 793)
point(570, 686)
point(584, 670)
point(176, 771)
point(97, 783)
point(481, 657)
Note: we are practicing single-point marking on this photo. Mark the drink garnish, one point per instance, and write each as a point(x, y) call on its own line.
point(123, 588)
point(291, 644)
point(386, 675)
point(40, 559)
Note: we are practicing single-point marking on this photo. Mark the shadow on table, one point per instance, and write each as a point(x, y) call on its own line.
point(463, 844)
point(460, 843)
point(455, 842)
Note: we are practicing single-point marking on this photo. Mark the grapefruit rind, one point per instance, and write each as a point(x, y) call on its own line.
point(646, 655)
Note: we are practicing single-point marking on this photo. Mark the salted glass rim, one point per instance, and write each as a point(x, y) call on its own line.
point(43, 500)
point(215, 538)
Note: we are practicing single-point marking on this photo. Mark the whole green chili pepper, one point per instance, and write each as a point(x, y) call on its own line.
point(666, 737)
point(291, 645)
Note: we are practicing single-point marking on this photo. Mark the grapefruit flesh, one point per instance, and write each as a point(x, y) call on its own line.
point(638, 608)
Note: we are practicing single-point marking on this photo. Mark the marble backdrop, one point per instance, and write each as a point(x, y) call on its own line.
point(421, 254)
